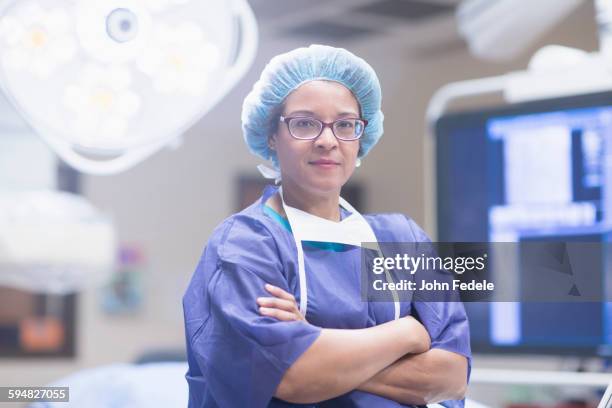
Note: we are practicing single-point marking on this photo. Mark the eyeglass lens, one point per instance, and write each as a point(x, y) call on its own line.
point(309, 128)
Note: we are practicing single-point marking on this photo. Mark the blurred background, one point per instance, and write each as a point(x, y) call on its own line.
point(163, 209)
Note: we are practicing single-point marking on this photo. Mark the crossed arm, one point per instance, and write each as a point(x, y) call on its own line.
point(383, 360)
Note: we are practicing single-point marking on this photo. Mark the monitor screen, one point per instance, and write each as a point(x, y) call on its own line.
point(539, 171)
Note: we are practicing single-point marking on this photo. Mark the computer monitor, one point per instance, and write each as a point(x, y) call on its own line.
point(535, 171)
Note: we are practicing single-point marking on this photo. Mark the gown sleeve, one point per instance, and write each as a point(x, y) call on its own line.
point(240, 355)
point(446, 322)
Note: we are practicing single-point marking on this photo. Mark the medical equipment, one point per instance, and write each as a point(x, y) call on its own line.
point(529, 173)
point(53, 242)
point(107, 84)
point(537, 166)
point(516, 24)
point(606, 400)
point(121, 385)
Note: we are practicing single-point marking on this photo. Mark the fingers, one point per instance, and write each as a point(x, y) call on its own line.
point(279, 293)
point(278, 313)
point(282, 306)
point(277, 303)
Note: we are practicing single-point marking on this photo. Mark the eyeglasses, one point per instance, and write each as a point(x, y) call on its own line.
point(308, 128)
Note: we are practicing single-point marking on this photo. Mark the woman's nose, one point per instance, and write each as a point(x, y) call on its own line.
point(326, 139)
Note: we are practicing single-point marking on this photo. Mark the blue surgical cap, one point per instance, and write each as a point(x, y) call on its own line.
point(286, 72)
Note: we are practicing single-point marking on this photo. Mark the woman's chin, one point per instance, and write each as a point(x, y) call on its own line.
point(325, 186)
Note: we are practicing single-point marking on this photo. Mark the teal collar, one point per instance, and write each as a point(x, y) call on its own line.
point(330, 246)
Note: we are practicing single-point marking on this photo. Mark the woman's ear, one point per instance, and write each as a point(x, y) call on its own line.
point(272, 142)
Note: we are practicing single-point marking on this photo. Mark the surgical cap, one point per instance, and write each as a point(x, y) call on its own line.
point(286, 72)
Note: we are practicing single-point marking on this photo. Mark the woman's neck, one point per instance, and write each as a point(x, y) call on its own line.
point(324, 205)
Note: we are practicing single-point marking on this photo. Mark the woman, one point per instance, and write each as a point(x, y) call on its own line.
point(315, 112)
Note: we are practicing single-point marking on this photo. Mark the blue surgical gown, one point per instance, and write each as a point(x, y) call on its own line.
point(237, 357)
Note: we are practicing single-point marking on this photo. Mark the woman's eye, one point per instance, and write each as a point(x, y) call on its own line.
point(304, 123)
point(346, 124)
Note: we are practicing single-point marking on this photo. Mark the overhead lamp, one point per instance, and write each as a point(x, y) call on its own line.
point(54, 242)
point(51, 241)
point(554, 71)
point(108, 83)
point(499, 30)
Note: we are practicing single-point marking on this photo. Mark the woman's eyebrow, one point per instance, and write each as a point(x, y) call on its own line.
point(301, 112)
point(348, 114)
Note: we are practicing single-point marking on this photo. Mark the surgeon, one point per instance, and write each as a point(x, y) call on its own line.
point(273, 314)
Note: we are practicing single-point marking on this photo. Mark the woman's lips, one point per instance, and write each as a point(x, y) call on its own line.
point(324, 163)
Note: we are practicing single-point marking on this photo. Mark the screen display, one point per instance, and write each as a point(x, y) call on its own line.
point(540, 171)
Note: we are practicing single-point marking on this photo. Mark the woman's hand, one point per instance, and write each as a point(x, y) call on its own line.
point(282, 306)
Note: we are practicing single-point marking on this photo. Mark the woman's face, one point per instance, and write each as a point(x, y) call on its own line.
point(324, 164)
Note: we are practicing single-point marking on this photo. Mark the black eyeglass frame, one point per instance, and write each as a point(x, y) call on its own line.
point(287, 119)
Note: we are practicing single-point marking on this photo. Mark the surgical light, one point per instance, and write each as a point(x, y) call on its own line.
point(50, 241)
point(499, 30)
point(54, 242)
point(108, 83)
point(122, 25)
